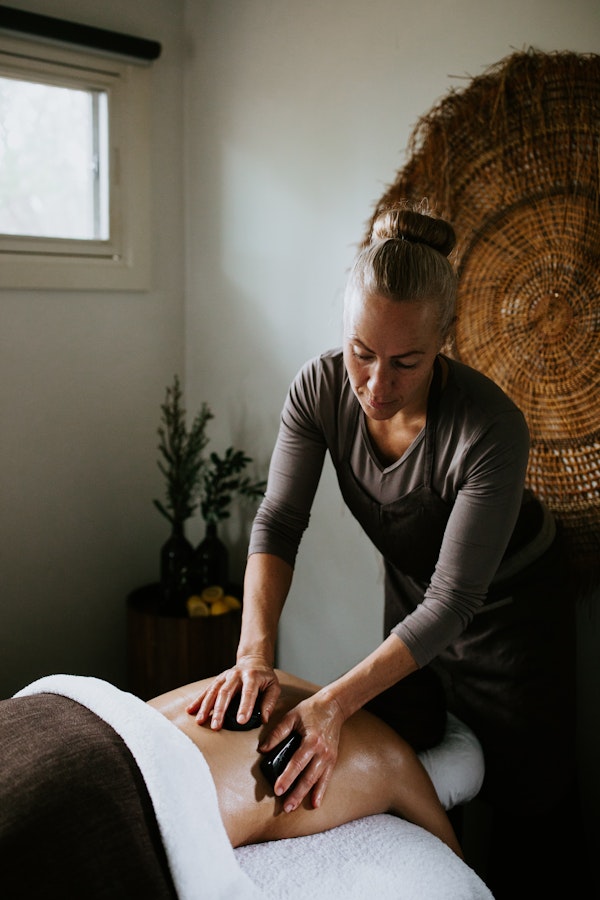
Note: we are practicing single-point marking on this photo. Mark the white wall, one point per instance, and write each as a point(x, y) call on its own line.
point(82, 376)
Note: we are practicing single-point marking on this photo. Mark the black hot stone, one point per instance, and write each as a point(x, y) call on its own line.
point(274, 762)
point(230, 722)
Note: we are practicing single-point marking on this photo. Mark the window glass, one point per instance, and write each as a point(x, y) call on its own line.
point(53, 161)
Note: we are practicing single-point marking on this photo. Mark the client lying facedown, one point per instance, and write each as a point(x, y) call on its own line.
point(63, 772)
point(101, 789)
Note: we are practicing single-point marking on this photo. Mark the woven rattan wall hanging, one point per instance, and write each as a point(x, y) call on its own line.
point(513, 161)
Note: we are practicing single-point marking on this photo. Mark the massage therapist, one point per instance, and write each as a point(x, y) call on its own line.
point(430, 457)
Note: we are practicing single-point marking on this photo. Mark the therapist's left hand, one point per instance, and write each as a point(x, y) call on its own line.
point(318, 720)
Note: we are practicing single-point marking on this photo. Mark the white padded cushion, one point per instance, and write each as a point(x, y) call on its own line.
point(456, 765)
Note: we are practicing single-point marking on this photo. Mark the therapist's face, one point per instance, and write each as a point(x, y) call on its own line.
point(389, 350)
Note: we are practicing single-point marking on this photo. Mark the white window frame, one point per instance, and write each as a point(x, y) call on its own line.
point(123, 262)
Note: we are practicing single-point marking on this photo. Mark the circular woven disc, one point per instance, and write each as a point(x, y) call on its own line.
point(529, 314)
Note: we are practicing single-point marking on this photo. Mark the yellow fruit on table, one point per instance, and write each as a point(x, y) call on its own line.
point(213, 593)
point(232, 602)
point(219, 607)
point(196, 606)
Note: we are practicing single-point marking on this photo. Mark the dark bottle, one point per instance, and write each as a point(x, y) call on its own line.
point(210, 563)
point(176, 556)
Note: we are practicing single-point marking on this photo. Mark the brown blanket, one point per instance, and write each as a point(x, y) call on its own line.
point(76, 820)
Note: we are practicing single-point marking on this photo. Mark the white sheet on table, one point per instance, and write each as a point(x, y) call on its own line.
point(380, 857)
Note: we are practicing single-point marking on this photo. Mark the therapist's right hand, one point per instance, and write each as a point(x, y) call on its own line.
point(250, 676)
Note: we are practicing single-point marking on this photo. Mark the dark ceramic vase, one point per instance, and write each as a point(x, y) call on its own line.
point(176, 556)
point(210, 564)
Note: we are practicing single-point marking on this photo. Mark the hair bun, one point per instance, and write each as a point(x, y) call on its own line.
point(410, 224)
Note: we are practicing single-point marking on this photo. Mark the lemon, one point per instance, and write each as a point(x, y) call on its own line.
point(196, 606)
point(219, 607)
point(232, 602)
point(212, 593)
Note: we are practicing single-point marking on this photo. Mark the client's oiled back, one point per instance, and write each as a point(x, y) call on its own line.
point(376, 772)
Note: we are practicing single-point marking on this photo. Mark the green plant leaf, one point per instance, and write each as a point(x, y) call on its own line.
point(191, 481)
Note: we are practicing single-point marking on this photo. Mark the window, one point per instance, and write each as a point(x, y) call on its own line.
point(74, 170)
point(53, 161)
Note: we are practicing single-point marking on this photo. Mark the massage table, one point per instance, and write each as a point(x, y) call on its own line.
point(177, 815)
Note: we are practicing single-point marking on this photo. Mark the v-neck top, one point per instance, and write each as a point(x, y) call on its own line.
point(452, 531)
point(364, 457)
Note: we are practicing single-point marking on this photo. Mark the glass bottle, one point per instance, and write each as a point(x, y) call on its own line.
point(176, 556)
point(210, 563)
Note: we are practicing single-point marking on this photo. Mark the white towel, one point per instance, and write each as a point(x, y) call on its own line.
point(201, 858)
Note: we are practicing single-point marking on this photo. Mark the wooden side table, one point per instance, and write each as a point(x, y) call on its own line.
point(164, 652)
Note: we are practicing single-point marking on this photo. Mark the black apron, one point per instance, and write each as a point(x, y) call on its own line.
point(408, 532)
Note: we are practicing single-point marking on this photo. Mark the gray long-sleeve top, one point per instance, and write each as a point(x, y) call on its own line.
point(481, 453)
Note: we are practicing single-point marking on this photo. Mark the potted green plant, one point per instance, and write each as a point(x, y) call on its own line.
point(181, 463)
point(221, 480)
point(193, 481)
